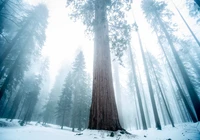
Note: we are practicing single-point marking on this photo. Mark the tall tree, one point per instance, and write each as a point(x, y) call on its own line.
point(33, 90)
point(95, 15)
point(65, 102)
point(32, 35)
point(155, 111)
point(144, 98)
point(33, 22)
point(154, 11)
point(194, 36)
point(56, 91)
point(81, 102)
point(138, 91)
point(181, 91)
point(160, 89)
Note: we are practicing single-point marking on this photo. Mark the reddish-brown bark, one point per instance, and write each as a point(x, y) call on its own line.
point(103, 111)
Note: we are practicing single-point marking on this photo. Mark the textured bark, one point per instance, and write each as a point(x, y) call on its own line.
point(118, 92)
point(191, 90)
point(144, 124)
point(103, 111)
point(155, 111)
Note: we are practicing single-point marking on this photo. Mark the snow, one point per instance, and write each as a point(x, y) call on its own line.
point(7, 123)
point(186, 131)
point(13, 131)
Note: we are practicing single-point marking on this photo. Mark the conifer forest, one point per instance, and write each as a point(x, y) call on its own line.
point(100, 69)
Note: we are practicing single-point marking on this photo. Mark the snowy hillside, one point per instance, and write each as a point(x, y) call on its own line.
point(13, 131)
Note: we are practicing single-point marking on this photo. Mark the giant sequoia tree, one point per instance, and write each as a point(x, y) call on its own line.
point(106, 19)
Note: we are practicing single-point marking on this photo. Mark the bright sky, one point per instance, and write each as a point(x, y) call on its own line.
point(64, 38)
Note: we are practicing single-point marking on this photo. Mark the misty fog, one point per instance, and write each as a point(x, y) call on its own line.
point(126, 66)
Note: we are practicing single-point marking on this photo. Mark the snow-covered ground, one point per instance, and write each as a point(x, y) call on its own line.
point(12, 131)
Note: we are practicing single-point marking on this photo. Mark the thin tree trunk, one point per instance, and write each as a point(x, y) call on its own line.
point(103, 111)
point(155, 112)
point(136, 123)
point(193, 95)
point(20, 112)
point(15, 106)
point(197, 41)
point(137, 112)
point(144, 98)
point(183, 119)
point(159, 87)
point(26, 115)
point(63, 119)
point(138, 91)
point(165, 120)
point(177, 83)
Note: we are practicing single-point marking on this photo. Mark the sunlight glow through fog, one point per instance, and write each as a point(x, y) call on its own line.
point(63, 38)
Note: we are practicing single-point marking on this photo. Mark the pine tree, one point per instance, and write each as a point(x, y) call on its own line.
point(81, 96)
point(63, 110)
point(49, 113)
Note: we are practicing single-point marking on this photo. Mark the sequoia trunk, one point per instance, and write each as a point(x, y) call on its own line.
point(103, 111)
